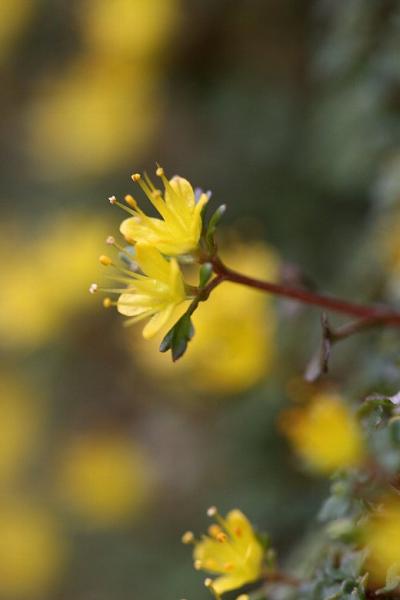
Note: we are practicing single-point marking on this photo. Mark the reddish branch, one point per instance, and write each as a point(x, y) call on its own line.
point(369, 314)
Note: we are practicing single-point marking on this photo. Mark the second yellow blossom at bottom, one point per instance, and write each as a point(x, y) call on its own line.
point(231, 550)
point(325, 433)
point(155, 293)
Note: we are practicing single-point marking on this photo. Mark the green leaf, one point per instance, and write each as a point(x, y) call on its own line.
point(178, 337)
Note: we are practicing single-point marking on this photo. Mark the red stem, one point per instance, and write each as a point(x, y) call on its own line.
point(373, 313)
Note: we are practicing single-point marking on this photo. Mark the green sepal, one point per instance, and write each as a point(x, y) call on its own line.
point(212, 225)
point(178, 337)
point(206, 270)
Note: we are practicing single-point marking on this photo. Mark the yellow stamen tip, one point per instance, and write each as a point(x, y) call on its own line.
point(187, 537)
point(130, 200)
point(136, 177)
point(214, 530)
point(221, 537)
point(105, 260)
point(208, 582)
point(112, 200)
point(197, 565)
point(160, 172)
point(110, 240)
point(93, 288)
point(212, 511)
point(107, 302)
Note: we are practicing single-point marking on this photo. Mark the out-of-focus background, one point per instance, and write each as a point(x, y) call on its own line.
point(289, 112)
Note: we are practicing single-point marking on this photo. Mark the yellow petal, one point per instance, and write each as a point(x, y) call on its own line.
point(176, 282)
point(143, 229)
point(213, 554)
point(152, 263)
point(157, 322)
point(238, 525)
point(229, 582)
point(181, 199)
point(131, 305)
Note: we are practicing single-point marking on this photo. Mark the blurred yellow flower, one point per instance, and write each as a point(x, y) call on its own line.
point(156, 292)
point(14, 16)
point(104, 478)
point(233, 347)
point(47, 277)
point(128, 28)
point(32, 551)
point(179, 231)
point(325, 433)
point(231, 550)
point(382, 535)
point(19, 426)
point(92, 118)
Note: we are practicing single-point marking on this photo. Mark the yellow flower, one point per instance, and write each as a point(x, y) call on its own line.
point(178, 232)
point(31, 551)
point(85, 121)
point(233, 347)
point(154, 293)
point(325, 433)
point(104, 478)
point(46, 285)
point(382, 535)
point(137, 29)
point(231, 550)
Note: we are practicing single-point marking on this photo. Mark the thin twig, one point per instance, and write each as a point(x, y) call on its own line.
point(380, 315)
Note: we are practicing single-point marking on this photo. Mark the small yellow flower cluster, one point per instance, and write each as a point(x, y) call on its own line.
point(153, 279)
point(231, 550)
point(325, 433)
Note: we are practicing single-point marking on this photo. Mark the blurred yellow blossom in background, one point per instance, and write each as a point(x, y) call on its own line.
point(324, 433)
point(14, 17)
point(20, 416)
point(231, 550)
point(382, 535)
point(92, 116)
point(32, 551)
point(128, 28)
point(234, 344)
point(103, 109)
point(47, 277)
point(104, 478)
